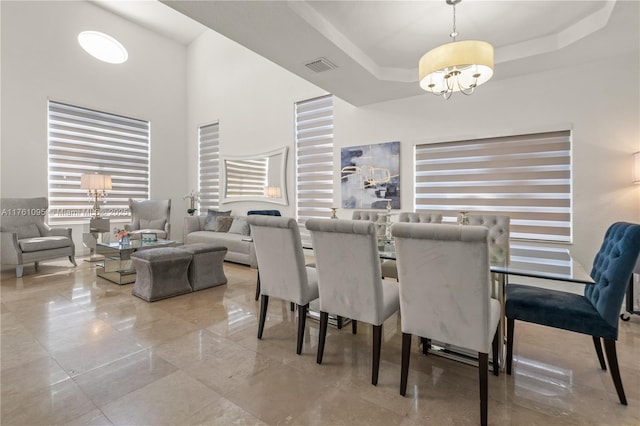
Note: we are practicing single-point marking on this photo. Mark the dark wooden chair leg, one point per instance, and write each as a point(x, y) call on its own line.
point(258, 286)
point(598, 346)
point(612, 359)
point(406, 353)
point(377, 343)
point(302, 319)
point(324, 320)
point(483, 375)
point(510, 325)
point(293, 306)
point(426, 345)
point(340, 321)
point(354, 327)
point(263, 314)
point(494, 346)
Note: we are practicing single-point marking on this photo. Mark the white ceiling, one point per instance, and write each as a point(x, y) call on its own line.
point(376, 45)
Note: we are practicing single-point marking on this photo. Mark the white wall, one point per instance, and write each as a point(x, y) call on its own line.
point(42, 60)
point(604, 119)
point(253, 99)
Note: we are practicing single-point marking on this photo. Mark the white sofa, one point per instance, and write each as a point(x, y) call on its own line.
point(239, 245)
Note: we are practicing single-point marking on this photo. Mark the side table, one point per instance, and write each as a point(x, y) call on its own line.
point(97, 227)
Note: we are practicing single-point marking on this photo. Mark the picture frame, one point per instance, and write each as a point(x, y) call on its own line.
point(149, 237)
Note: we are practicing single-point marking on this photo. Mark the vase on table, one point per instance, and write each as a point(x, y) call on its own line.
point(125, 241)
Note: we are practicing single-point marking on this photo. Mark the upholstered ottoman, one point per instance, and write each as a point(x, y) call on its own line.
point(161, 273)
point(206, 269)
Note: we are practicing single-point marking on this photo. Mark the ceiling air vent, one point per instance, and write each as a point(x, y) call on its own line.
point(320, 65)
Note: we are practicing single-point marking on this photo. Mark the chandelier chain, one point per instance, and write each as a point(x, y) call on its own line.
point(454, 34)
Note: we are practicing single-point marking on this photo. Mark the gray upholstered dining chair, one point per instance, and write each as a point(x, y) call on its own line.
point(149, 217)
point(389, 267)
point(349, 280)
point(444, 285)
point(26, 238)
point(596, 313)
point(283, 273)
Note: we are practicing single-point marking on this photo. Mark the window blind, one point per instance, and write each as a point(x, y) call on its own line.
point(209, 166)
point(314, 159)
point(81, 141)
point(527, 177)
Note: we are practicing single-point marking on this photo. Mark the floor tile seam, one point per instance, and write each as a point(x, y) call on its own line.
point(111, 361)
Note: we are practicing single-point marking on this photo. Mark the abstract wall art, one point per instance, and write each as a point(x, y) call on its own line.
point(370, 176)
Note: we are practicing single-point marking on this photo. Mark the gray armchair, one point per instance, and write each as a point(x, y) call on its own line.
point(149, 217)
point(25, 238)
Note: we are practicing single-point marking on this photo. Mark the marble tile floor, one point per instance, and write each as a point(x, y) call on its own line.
point(79, 350)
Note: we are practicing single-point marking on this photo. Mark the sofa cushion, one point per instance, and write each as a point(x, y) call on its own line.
point(152, 223)
point(210, 221)
point(28, 230)
point(43, 243)
point(223, 223)
point(240, 226)
point(233, 242)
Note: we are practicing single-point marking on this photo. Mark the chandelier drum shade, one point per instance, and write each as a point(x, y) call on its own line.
point(456, 67)
point(459, 66)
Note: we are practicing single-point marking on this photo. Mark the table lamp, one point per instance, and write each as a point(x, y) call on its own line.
point(97, 186)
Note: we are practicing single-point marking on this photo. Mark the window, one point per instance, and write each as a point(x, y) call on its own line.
point(87, 141)
point(314, 159)
point(527, 177)
point(209, 166)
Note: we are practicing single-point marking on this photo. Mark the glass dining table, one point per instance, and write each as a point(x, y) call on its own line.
point(520, 259)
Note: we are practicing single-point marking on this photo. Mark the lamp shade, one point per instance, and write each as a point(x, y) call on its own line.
point(456, 66)
point(636, 167)
point(95, 181)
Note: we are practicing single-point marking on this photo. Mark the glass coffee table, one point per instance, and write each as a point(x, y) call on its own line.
point(117, 266)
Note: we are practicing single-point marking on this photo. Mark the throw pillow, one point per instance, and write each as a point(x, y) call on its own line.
point(29, 230)
point(240, 226)
point(210, 221)
point(152, 224)
point(223, 223)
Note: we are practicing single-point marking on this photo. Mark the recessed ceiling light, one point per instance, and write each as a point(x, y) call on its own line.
point(103, 47)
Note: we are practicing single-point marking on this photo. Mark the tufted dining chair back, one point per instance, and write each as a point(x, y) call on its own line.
point(498, 237)
point(420, 217)
point(612, 268)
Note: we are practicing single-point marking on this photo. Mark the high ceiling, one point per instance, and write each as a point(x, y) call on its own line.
point(376, 45)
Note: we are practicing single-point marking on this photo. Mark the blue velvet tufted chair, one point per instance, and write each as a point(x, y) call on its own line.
point(595, 313)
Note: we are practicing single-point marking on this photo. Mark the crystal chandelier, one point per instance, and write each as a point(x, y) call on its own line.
point(459, 66)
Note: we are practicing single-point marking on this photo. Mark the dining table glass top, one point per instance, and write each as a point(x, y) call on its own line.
point(554, 263)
